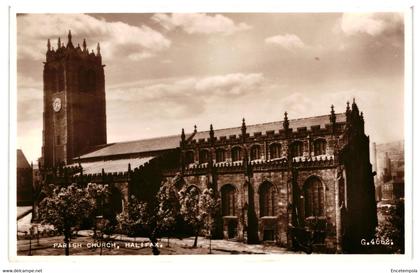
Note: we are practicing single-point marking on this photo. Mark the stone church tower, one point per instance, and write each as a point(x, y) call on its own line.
point(74, 116)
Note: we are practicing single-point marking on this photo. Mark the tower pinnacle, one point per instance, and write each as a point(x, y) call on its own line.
point(354, 107)
point(285, 122)
point(183, 135)
point(84, 44)
point(69, 43)
point(243, 127)
point(333, 118)
point(211, 132)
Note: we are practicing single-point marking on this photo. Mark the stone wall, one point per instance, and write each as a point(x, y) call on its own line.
point(278, 223)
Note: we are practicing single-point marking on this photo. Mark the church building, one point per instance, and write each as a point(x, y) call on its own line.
point(276, 180)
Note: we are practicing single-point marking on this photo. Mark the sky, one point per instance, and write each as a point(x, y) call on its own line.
point(165, 72)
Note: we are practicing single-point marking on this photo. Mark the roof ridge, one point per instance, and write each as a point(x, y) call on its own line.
point(141, 139)
point(179, 135)
point(271, 122)
point(172, 141)
point(21, 160)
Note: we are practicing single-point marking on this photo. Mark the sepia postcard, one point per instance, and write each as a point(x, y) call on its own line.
point(145, 133)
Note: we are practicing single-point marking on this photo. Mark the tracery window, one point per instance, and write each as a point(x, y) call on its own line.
point(228, 200)
point(297, 148)
point(267, 199)
point(204, 156)
point(60, 79)
point(236, 154)
point(320, 147)
point(314, 197)
point(275, 150)
point(189, 157)
point(255, 152)
point(220, 155)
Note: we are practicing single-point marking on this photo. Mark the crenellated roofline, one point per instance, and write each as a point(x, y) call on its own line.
point(62, 51)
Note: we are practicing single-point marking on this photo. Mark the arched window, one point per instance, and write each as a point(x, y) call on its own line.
point(83, 80)
point(314, 197)
point(220, 155)
point(236, 154)
point(275, 150)
point(51, 79)
point(255, 152)
point(60, 79)
point(189, 157)
point(320, 147)
point(267, 199)
point(297, 148)
point(91, 80)
point(204, 156)
point(228, 200)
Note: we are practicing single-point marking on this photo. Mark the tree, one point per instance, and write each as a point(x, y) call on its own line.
point(133, 219)
point(199, 209)
point(190, 209)
point(168, 208)
point(392, 228)
point(65, 208)
point(138, 219)
point(100, 195)
point(209, 205)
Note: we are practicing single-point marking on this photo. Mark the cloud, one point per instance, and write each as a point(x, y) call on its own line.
point(302, 103)
point(201, 23)
point(140, 56)
point(376, 109)
point(185, 97)
point(371, 23)
point(230, 85)
point(298, 104)
point(29, 98)
point(169, 104)
point(29, 109)
point(288, 41)
point(116, 38)
point(27, 81)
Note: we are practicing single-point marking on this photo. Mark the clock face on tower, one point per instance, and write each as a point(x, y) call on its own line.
point(56, 104)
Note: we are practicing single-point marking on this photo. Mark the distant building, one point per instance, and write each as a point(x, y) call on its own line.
point(393, 190)
point(390, 170)
point(23, 180)
point(36, 178)
point(392, 179)
point(274, 179)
